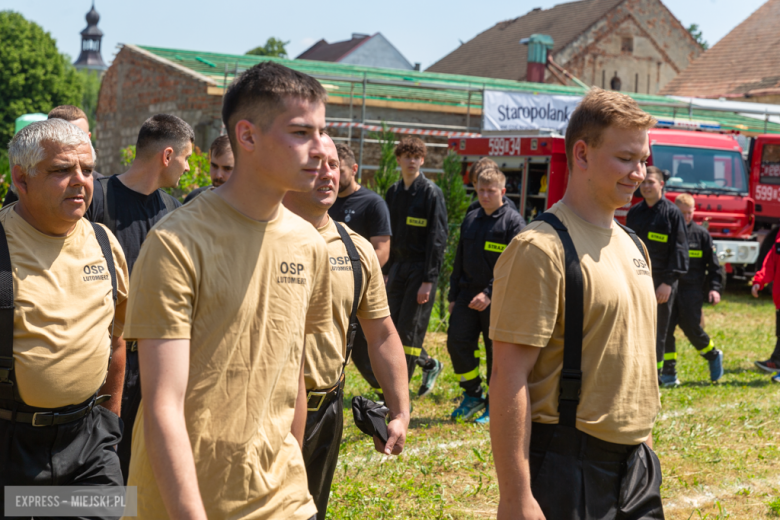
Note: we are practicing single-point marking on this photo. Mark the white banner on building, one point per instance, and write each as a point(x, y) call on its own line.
point(521, 111)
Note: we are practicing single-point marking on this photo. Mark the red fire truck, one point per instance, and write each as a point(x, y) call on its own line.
point(708, 165)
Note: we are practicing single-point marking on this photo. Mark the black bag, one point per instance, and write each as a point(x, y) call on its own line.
point(370, 417)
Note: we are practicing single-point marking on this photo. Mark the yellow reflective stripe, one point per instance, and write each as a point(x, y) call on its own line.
point(670, 356)
point(658, 237)
point(411, 351)
point(695, 253)
point(416, 222)
point(660, 365)
point(707, 348)
point(468, 376)
point(496, 248)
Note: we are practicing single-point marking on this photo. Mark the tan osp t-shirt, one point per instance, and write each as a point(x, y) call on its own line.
point(325, 352)
point(244, 293)
point(64, 307)
point(619, 399)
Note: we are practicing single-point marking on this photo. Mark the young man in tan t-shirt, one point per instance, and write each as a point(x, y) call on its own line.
point(226, 288)
point(589, 460)
point(326, 353)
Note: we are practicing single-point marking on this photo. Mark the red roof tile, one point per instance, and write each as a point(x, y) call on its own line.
point(745, 62)
point(497, 53)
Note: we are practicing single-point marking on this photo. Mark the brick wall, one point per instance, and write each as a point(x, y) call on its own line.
point(135, 88)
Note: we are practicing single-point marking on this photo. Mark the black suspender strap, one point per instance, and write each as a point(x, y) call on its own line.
point(109, 205)
point(635, 238)
point(105, 248)
point(7, 386)
point(357, 275)
point(571, 375)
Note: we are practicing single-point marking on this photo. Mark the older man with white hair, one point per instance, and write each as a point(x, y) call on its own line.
point(63, 289)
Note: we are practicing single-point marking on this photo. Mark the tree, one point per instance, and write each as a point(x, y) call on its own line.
point(456, 200)
point(90, 80)
point(387, 173)
point(697, 35)
point(273, 48)
point(34, 76)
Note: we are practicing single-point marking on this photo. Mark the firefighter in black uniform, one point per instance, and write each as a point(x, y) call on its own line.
point(661, 227)
point(418, 218)
point(484, 235)
point(703, 277)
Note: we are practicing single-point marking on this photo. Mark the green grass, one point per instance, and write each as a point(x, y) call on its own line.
point(719, 445)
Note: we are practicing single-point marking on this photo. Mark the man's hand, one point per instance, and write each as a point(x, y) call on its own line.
point(480, 302)
point(396, 437)
point(714, 297)
point(755, 289)
point(529, 510)
point(424, 294)
point(662, 293)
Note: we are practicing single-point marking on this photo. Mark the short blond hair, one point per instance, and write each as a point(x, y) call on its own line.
point(492, 175)
point(478, 166)
point(599, 110)
point(686, 200)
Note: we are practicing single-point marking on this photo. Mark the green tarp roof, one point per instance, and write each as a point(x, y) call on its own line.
point(408, 86)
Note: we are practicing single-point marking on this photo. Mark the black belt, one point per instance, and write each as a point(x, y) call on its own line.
point(316, 398)
point(569, 441)
point(51, 418)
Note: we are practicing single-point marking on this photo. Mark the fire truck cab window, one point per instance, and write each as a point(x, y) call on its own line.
point(770, 164)
point(701, 169)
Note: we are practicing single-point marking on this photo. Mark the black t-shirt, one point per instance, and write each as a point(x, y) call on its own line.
point(135, 212)
point(364, 212)
point(194, 193)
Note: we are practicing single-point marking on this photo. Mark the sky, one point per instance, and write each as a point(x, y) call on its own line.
point(423, 30)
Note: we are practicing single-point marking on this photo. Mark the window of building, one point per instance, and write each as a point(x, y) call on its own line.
point(615, 82)
point(627, 44)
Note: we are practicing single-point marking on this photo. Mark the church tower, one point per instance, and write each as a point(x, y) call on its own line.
point(91, 37)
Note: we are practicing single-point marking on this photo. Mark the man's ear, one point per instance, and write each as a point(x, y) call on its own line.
point(19, 176)
point(245, 135)
point(503, 191)
point(355, 169)
point(167, 155)
point(422, 161)
point(580, 152)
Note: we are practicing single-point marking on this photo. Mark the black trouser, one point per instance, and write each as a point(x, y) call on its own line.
point(321, 444)
point(131, 400)
point(662, 328)
point(576, 476)
point(687, 314)
point(361, 359)
point(410, 319)
point(463, 343)
point(79, 453)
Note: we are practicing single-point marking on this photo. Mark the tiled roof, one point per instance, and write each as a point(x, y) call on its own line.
point(497, 52)
point(324, 51)
point(745, 62)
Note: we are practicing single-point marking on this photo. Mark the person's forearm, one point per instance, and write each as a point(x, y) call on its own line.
point(115, 379)
point(382, 250)
point(170, 454)
point(389, 364)
point(510, 433)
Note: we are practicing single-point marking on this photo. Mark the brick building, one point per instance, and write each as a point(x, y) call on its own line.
point(742, 66)
point(629, 45)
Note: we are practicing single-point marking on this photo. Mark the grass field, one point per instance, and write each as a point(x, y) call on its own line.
point(719, 445)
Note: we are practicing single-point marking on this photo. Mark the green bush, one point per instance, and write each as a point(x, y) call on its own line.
point(197, 177)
